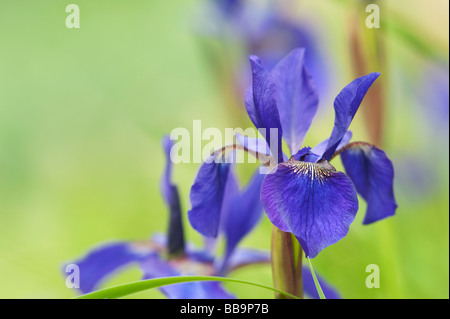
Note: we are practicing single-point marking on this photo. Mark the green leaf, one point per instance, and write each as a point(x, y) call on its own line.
point(138, 286)
point(316, 282)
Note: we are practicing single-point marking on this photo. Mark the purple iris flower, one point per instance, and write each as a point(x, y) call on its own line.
point(164, 256)
point(304, 195)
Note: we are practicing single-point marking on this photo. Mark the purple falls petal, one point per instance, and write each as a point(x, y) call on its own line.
point(345, 106)
point(155, 267)
point(297, 97)
point(260, 101)
point(373, 175)
point(309, 288)
point(313, 201)
point(103, 261)
point(206, 196)
point(170, 194)
point(242, 213)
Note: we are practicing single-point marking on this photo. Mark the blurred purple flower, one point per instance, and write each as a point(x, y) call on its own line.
point(164, 256)
point(304, 195)
point(267, 31)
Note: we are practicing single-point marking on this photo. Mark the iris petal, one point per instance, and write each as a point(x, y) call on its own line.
point(297, 97)
point(373, 175)
point(260, 101)
point(104, 261)
point(345, 106)
point(207, 195)
point(310, 200)
point(242, 213)
point(172, 199)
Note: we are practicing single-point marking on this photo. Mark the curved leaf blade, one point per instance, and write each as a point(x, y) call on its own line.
point(142, 285)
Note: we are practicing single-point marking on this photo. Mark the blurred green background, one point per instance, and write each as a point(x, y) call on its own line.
point(82, 113)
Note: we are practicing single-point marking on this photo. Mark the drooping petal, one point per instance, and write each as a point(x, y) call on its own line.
point(297, 97)
point(310, 200)
point(207, 197)
point(155, 267)
point(244, 256)
point(309, 288)
point(373, 175)
point(345, 106)
point(260, 101)
point(242, 213)
point(105, 260)
point(172, 199)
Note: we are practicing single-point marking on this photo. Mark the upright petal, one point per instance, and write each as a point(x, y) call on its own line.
point(345, 106)
point(297, 97)
point(104, 261)
point(260, 101)
point(207, 195)
point(373, 175)
point(172, 199)
point(242, 213)
point(310, 200)
point(309, 287)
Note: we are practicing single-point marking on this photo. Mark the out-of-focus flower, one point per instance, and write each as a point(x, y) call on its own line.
point(304, 195)
point(164, 256)
point(265, 29)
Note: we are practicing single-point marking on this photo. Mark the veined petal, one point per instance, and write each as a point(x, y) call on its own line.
point(345, 106)
point(105, 260)
point(241, 214)
point(172, 199)
point(373, 175)
point(297, 97)
point(260, 101)
point(313, 201)
point(309, 288)
point(207, 197)
point(155, 267)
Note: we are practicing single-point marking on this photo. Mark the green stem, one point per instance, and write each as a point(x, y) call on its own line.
point(285, 276)
point(298, 268)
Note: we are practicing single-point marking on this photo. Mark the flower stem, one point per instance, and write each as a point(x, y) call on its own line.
point(298, 267)
point(285, 276)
